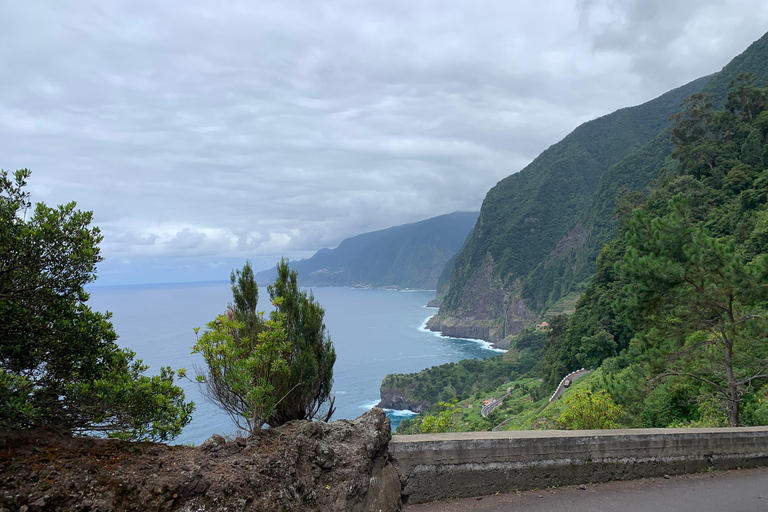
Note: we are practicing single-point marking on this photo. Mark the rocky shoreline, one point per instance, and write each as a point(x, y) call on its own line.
point(485, 304)
point(395, 399)
point(392, 399)
point(468, 329)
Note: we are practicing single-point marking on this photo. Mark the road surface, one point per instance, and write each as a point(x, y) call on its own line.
point(743, 490)
point(488, 409)
point(561, 388)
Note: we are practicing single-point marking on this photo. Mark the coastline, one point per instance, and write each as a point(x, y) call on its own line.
point(489, 345)
point(417, 407)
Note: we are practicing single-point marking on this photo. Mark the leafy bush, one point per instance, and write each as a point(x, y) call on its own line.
point(590, 410)
point(59, 364)
point(440, 422)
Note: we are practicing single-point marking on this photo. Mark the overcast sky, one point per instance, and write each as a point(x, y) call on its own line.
point(203, 133)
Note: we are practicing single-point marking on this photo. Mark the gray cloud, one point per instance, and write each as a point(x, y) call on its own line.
point(666, 41)
point(203, 133)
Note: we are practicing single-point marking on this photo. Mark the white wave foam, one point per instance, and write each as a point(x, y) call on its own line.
point(369, 405)
point(485, 344)
point(396, 413)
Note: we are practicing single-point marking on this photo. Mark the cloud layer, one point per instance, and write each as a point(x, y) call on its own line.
point(202, 133)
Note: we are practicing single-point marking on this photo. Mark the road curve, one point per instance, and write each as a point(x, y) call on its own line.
point(570, 377)
point(562, 387)
point(488, 409)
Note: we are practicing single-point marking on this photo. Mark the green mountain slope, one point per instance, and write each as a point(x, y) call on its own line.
point(525, 215)
point(540, 230)
point(675, 315)
point(406, 256)
point(563, 271)
point(651, 319)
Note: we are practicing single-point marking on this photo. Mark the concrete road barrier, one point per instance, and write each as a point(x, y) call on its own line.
point(441, 466)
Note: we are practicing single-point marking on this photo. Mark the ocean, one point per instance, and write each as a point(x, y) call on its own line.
point(375, 332)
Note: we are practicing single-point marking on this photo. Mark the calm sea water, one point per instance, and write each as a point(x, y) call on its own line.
point(375, 332)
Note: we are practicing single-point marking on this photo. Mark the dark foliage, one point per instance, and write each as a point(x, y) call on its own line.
point(59, 364)
point(307, 387)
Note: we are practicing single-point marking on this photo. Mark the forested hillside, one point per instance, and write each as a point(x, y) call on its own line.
point(674, 319)
point(563, 271)
point(540, 230)
point(676, 314)
point(406, 256)
point(526, 214)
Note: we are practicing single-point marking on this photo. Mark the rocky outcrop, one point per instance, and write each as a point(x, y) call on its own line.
point(435, 303)
point(303, 465)
point(394, 399)
point(504, 343)
point(570, 243)
point(484, 304)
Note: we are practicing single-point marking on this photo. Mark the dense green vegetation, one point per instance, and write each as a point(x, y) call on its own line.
point(590, 410)
point(674, 320)
point(457, 381)
point(525, 215)
point(525, 397)
point(471, 381)
point(407, 256)
point(595, 331)
point(60, 367)
point(688, 287)
point(557, 274)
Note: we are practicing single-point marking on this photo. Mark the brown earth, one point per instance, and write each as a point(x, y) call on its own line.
point(303, 465)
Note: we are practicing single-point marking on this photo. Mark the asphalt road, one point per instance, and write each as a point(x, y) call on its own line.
point(488, 409)
point(743, 490)
point(561, 388)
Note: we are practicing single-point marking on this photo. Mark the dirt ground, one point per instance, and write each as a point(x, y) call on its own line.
point(304, 465)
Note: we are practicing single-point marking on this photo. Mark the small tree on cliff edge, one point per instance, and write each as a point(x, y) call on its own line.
point(59, 364)
point(312, 356)
point(268, 371)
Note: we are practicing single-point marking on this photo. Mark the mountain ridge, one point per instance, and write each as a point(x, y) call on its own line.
point(636, 172)
point(405, 256)
point(540, 229)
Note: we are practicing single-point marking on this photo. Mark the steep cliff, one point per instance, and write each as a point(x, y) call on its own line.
point(397, 399)
point(540, 230)
point(484, 305)
point(561, 272)
point(407, 256)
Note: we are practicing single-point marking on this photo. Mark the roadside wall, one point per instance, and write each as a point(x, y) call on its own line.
point(436, 467)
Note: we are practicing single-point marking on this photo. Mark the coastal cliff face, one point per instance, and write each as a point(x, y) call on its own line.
point(303, 465)
point(410, 256)
point(540, 229)
point(392, 398)
point(483, 304)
